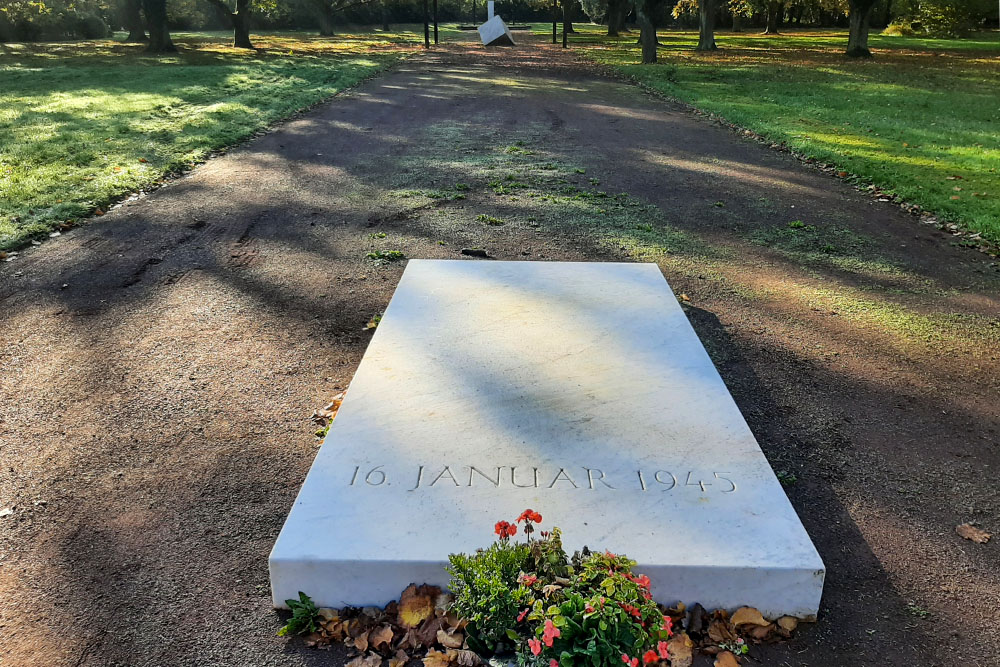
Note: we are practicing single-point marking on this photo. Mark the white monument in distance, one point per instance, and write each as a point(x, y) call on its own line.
point(494, 32)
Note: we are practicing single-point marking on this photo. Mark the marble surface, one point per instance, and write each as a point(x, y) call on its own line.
point(579, 390)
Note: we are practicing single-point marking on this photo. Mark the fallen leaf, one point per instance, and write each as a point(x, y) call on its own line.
point(467, 658)
point(841, 173)
point(720, 633)
point(450, 639)
point(328, 614)
point(685, 297)
point(370, 660)
point(361, 642)
point(748, 615)
point(436, 659)
point(680, 649)
point(726, 659)
point(957, 188)
point(416, 604)
point(955, 197)
point(426, 634)
point(788, 623)
point(143, 160)
point(953, 178)
point(966, 530)
point(761, 632)
point(381, 636)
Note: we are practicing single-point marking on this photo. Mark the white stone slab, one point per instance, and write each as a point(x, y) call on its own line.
point(495, 33)
point(579, 390)
point(490, 13)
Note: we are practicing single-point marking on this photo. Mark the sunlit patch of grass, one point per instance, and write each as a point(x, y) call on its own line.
point(83, 123)
point(919, 120)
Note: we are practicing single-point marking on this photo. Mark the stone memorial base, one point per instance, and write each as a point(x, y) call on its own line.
point(495, 33)
point(578, 390)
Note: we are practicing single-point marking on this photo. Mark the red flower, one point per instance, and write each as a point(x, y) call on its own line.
point(631, 662)
point(527, 579)
point(504, 529)
point(662, 648)
point(588, 609)
point(520, 617)
point(643, 581)
point(535, 646)
point(634, 611)
point(530, 515)
point(550, 632)
point(668, 624)
point(553, 663)
point(650, 657)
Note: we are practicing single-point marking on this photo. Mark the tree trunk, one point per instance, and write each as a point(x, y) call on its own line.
point(159, 36)
point(241, 25)
point(324, 15)
point(706, 26)
point(647, 31)
point(857, 40)
point(737, 22)
point(887, 17)
point(773, 18)
point(132, 10)
point(385, 15)
point(615, 17)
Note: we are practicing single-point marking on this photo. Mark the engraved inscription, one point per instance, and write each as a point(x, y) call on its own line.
point(524, 477)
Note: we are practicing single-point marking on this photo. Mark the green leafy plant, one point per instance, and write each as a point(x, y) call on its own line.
point(587, 610)
point(386, 255)
point(489, 219)
point(486, 589)
point(304, 616)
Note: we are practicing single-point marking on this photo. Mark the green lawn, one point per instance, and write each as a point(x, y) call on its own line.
point(921, 120)
point(83, 123)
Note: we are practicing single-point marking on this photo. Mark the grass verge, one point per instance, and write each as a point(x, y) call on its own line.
point(920, 120)
point(84, 123)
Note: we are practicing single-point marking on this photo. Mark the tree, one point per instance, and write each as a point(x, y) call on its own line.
point(774, 12)
point(857, 37)
point(238, 19)
point(645, 10)
point(132, 16)
point(706, 26)
point(156, 18)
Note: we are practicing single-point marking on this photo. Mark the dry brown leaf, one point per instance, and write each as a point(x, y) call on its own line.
point(748, 615)
point(970, 532)
point(719, 632)
point(416, 604)
point(450, 639)
point(328, 614)
point(396, 662)
point(761, 632)
point(788, 623)
point(361, 642)
point(312, 639)
point(436, 659)
point(685, 297)
point(426, 634)
point(467, 658)
point(370, 660)
point(726, 659)
point(381, 636)
point(680, 648)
